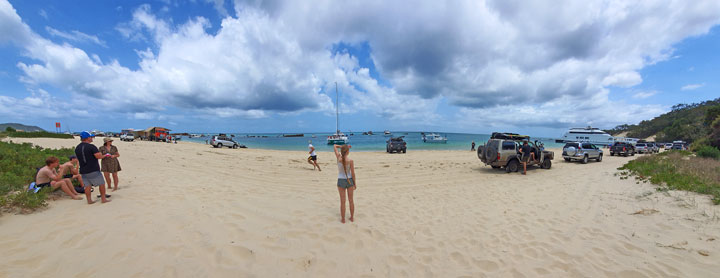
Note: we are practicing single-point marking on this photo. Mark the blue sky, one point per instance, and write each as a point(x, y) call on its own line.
point(271, 66)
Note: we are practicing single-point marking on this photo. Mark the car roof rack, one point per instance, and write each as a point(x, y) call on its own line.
point(509, 136)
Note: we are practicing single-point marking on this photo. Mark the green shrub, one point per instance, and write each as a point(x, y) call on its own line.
point(10, 129)
point(18, 165)
point(708, 152)
point(678, 170)
point(29, 200)
point(39, 134)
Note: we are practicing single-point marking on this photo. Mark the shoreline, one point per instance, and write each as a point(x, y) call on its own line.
point(193, 210)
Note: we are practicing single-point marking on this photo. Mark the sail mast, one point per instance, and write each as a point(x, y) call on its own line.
point(337, 102)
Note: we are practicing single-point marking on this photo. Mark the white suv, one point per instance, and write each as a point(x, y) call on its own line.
point(127, 137)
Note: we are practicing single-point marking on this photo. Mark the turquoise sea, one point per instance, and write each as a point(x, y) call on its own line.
point(359, 142)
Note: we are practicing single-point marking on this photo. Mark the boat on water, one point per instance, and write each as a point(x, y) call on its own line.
point(587, 134)
point(433, 138)
point(338, 138)
point(370, 133)
point(387, 133)
point(195, 135)
point(293, 135)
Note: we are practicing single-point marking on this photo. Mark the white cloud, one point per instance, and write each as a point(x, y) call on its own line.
point(275, 57)
point(43, 13)
point(644, 94)
point(219, 6)
point(690, 87)
point(75, 36)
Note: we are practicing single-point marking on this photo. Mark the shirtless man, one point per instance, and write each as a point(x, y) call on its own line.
point(48, 176)
point(71, 170)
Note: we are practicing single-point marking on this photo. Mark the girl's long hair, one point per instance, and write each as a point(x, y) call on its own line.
point(344, 150)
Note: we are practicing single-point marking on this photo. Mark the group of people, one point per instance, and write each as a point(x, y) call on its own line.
point(85, 167)
point(346, 183)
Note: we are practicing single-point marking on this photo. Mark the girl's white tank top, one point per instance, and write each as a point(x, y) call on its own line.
point(341, 173)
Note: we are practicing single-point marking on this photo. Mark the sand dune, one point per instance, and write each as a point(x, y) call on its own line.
point(189, 210)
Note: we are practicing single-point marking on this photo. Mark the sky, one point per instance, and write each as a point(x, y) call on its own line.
point(254, 66)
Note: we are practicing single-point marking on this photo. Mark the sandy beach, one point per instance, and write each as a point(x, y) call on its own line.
point(188, 210)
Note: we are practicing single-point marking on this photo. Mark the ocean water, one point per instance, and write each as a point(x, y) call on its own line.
point(359, 142)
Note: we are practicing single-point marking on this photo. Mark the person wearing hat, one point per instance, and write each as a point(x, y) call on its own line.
point(71, 170)
point(110, 163)
point(88, 156)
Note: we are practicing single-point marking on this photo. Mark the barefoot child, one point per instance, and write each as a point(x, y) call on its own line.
point(346, 179)
point(313, 156)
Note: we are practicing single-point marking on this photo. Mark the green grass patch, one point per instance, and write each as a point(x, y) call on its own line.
point(36, 134)
point(677, 170)
point(18, 163)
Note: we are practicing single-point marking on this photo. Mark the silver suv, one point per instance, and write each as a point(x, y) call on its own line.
point(223, 141)
point(503, 150)
point(582, 151)
point(653, 147)
point(643, 148)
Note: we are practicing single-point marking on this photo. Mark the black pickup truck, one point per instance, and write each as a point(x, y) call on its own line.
point(622, 148)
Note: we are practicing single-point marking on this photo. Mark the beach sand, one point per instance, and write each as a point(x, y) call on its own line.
point(188, 210)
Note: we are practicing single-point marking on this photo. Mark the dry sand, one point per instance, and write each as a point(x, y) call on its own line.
point(189, 210)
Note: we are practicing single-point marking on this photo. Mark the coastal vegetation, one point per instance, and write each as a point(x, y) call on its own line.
point(10, 132)
point(686, 122)
point(679, 170)
point(18, 165)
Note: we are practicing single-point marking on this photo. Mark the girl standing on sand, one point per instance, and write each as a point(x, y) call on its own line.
point(110, 163)
point(346, 179)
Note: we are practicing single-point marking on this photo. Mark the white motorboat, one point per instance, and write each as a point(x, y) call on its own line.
point(587, 134)
point(387, 133)
point(338, 138)
point(433, 138)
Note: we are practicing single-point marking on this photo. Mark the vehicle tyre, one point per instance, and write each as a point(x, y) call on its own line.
point(512, 166)
point(490, 155)
point(567, 159)
point(585, 159)
point(235, 146)
point(612, 154)
point(219, 145)
point(632, 154)
point(481, 152)
point(494, 167)
point(599, 159)
point(546, 164)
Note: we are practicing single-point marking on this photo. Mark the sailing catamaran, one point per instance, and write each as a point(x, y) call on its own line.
point(338, 138)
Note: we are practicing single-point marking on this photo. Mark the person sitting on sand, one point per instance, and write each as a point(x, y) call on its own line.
point(71, 170)
point(88, 156)
point(48, 176)
point(527, 154)
point(347, 181)
point(109, 162)
point(313, 156)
